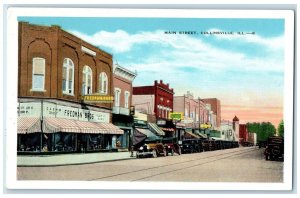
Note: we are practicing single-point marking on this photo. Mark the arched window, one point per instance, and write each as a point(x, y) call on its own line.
point(38, 74)
point(68, 77)
point(86, 80)
point(117, 97)
point(126, 96)
point(103, 83)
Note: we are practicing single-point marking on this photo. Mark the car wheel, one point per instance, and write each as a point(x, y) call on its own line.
point(154, 153)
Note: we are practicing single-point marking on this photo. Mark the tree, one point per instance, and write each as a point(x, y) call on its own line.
point(263, 130)
point(281, 129)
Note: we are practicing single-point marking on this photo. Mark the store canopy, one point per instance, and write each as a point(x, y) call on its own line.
point(155, 129)
point(150, 135)
point(201, 135)
point(190, 135)
point(138, 137)
point(53, 125)
point(168, 129)
point(28, 125)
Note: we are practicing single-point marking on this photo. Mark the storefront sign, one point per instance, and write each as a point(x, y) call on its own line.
point(30, 109)
point(161, 122)
point(205, 126)
point(97, 99)
point(176, 116)
point(60, 111)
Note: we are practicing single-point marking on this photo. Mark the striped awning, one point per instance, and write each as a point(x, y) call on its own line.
point(53, 125)
point(154, 128)
point(110, 128)
point(191, 135)
point(28, 125)
point(150, 135)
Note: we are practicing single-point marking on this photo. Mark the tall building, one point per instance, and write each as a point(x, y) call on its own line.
point(65, 92)
point(215, 107)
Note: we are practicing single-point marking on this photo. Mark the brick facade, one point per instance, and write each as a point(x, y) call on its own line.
point(215, 107)
point(54, 45)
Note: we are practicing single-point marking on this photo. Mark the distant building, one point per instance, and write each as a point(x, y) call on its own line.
point(157, 102)
point(215, 107)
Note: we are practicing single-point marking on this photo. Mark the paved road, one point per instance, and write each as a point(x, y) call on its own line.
point(231, 165)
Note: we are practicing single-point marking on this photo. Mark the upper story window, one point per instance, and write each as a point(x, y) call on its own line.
point(38, 74)
point(117, 97)
point(103, 83)
point(126, 95)
point(68, 77)
point(86, 80)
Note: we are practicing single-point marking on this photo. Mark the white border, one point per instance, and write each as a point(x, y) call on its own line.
point(11, 96)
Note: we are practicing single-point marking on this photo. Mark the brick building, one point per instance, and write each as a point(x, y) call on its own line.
point(215, 107)
point(156, 100)
point(122, 115)
point(55, 70)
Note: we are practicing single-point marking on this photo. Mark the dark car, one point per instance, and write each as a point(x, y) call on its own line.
point(191, 146)
point(171, 146)
point(151, 150)
point(275, 148)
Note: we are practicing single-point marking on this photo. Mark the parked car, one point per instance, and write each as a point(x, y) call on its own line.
point(275, 148)
point(151, 150)
point(191, 145)
point(171, 146)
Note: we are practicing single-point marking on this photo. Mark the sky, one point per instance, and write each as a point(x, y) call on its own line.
point(241, 62)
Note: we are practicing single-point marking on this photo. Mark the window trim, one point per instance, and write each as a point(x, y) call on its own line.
point(67, 75)
point(126, 99)
point(85, 72)
point(119, 97)
point(44, 75)
point(101, 80)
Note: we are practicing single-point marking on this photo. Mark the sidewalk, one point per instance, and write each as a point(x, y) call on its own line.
point(72, 159)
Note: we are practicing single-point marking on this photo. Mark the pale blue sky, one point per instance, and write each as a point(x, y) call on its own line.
point(245, 70)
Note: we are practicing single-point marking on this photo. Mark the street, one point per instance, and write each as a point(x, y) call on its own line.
point(243, 164)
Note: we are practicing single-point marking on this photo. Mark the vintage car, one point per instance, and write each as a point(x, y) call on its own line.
point(171, 146)
point(209, 145)
point(191, 145)
point(275, 148)
point(151, 150)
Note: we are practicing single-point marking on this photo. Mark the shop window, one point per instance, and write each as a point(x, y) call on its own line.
point(103, 83)
point(127, 94)
point(117, 97)
point(86, 80)
point(68, 77)
point(38, 74)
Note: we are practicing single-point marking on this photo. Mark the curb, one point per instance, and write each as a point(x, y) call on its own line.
point(74, 164)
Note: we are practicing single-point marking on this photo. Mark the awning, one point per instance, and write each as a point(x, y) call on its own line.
point(155, 129)
point(110, 128)
point(138, 137)
point(53, 125)
point(190, 135)
point(150, 135)
point(28, 125)
point(201, 135)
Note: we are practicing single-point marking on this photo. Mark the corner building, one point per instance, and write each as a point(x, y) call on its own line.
point(55, 70)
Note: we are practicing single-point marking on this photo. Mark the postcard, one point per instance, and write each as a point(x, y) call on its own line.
point(149, 99)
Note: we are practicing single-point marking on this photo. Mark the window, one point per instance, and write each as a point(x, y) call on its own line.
point(117, 97)
point(68, 76)
point(38, 74)
point(103, 83)
point(86, 80)
point(127, 94)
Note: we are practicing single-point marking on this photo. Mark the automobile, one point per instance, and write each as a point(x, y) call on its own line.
point(275, 148)
point(151, 150)
point(171, 146)
point(209, 145)
point(191, 145)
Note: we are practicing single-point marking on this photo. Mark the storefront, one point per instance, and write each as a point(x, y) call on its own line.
point(45, 126)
